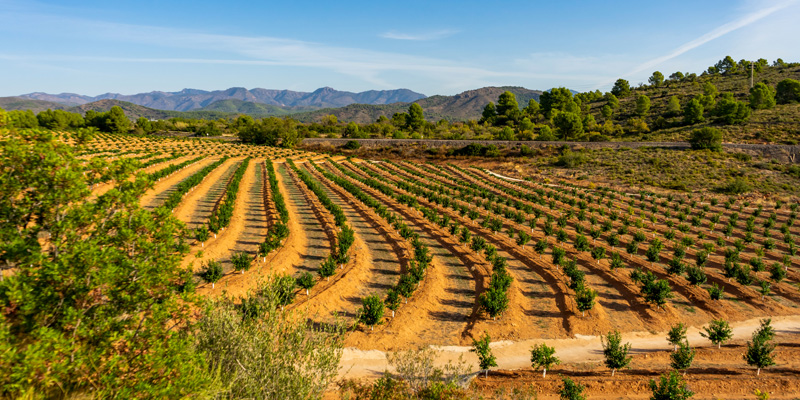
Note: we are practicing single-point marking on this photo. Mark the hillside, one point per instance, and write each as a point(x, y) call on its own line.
point(779, 124)
point(19, 103)
point(251, 108)
point(134, 111)
point(194, 99)
point(463, 106)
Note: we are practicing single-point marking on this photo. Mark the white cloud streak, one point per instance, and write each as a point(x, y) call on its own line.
point(708, 37)
point(368, 65)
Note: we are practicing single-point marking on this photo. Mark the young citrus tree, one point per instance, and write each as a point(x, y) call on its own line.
point(481, 347)
point(543, 356)
point(718, 332)
point(615, 352)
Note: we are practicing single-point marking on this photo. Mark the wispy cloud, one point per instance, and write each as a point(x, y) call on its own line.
point(716, 33)
point(368, 65)
point(433, 35)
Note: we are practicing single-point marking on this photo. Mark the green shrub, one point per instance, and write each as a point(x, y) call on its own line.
point(706, 138)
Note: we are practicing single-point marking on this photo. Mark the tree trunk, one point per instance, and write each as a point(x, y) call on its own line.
point(719, 345)
point(212, 285)
point(392, 313)
point(675, 349)
point(544, 374)
point(306, 292)
point(613, 371)
point(758, 371)
point(372, 327)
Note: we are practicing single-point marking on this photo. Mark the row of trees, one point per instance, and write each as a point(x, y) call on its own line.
point(759, 354)
point(113, 121)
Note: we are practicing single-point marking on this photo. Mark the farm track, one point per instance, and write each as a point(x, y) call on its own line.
point(680, 284)
point(197, 205)
point(444, 309)
point(162, 189)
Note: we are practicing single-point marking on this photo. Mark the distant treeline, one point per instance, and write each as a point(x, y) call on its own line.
point(721, 95)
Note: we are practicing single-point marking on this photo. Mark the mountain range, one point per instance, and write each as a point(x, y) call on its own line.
point(195, 99)
point(364, 107)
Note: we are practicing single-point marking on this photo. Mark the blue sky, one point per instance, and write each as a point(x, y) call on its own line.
point(432, 47)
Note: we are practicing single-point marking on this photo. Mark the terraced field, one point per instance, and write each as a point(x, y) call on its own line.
point(453, 252)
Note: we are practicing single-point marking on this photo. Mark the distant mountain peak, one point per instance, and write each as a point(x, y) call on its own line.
point(195, 99)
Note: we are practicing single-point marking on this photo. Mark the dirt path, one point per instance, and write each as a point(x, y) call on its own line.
point(162, 189)
point(197, 205)
point(510, 355)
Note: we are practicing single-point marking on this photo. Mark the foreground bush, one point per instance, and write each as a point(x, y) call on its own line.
point(103, 309)
point(262, 352)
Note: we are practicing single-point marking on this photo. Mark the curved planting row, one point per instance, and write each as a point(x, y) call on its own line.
point(344, 239)
point(413, 273)
point(695, 275)
point(161, 159)
point(223, 209)
point(655, 292)
point(692, 218)
point(494, 300)
point(190, 182)
point(584, 296)
point(278, 230)
point(172, 168)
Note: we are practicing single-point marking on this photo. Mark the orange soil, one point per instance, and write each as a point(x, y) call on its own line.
point(191, 200)
point(714, 373)
point(103, 188)
point(153, 197)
